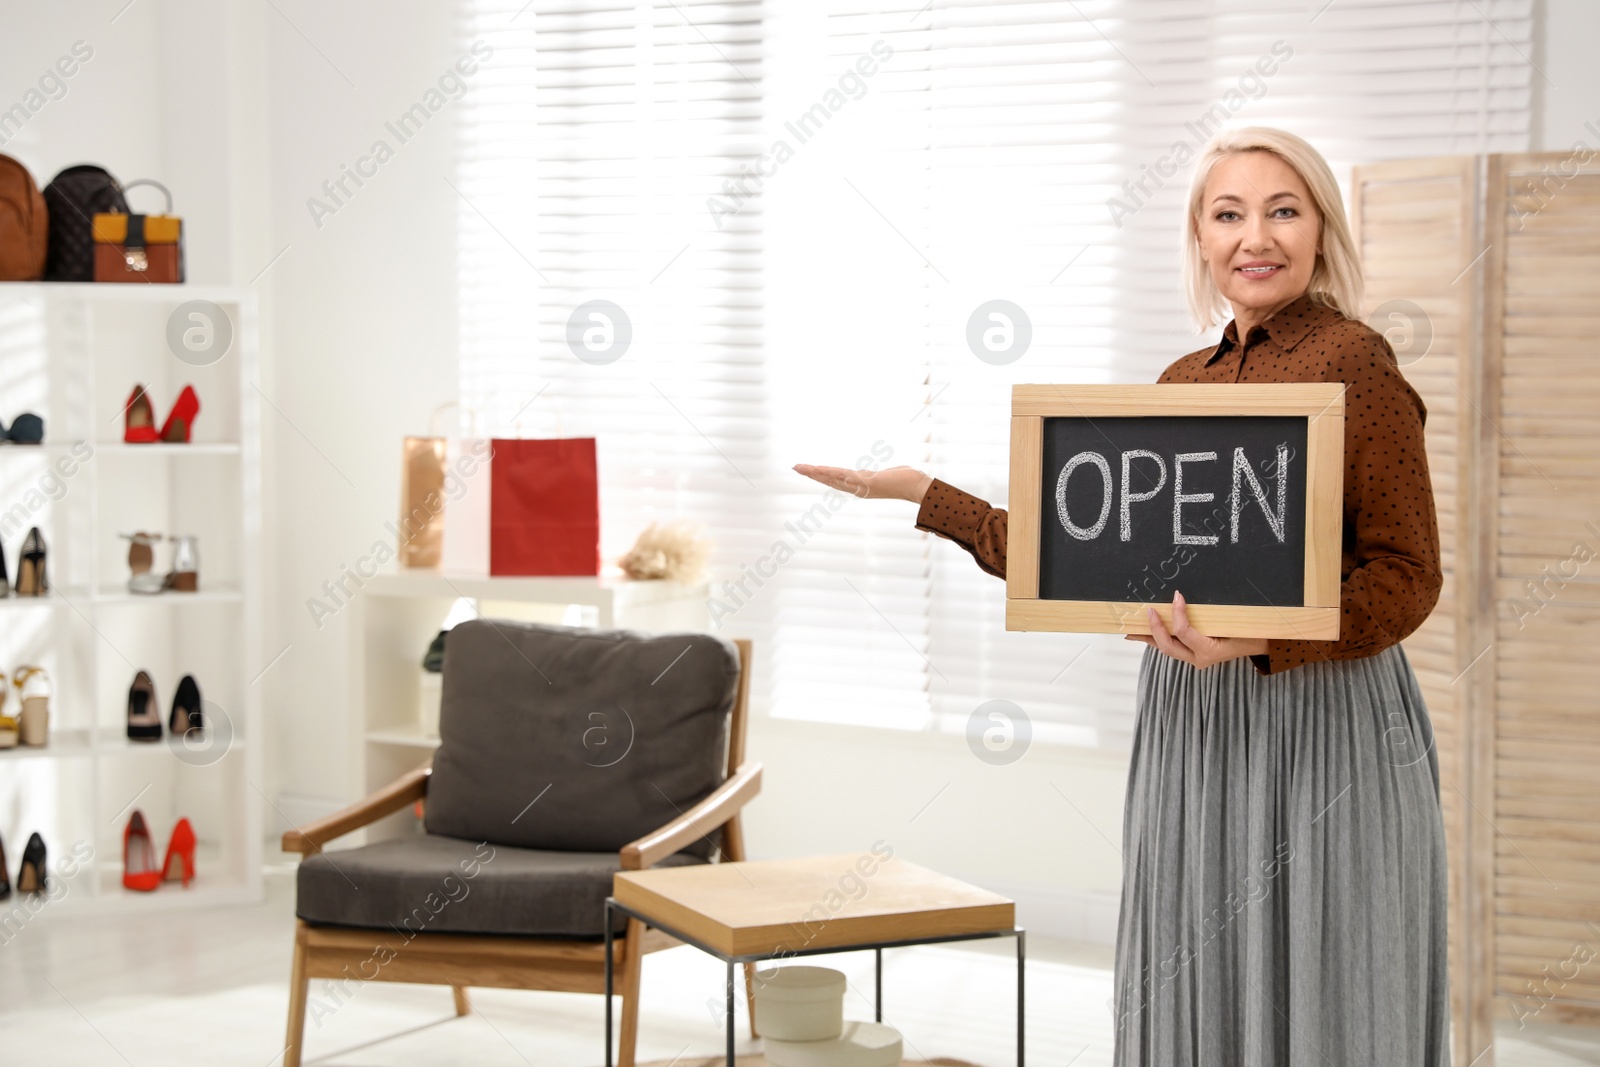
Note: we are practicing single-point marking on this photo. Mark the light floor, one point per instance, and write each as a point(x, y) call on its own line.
point(211, 988)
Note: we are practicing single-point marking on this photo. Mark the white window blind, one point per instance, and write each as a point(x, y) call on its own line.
point(816, 308)
point(589, 145)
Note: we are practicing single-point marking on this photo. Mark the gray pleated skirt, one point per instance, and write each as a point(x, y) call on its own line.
point(1283, 900)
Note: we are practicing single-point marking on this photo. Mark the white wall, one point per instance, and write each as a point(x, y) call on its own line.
point(112, 105)
point(1046, 830)
point(364, 336)
point(172, 91)
point(1567, 93)
point(244, 109)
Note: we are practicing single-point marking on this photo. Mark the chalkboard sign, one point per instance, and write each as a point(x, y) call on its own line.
point(1121, 495)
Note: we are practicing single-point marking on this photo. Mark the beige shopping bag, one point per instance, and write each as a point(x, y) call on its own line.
point(421, 533)
point(424, 493)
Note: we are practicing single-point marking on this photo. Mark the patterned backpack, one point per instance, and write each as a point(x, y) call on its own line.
point(74, 196)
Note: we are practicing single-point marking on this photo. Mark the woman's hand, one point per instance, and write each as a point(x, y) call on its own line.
point(1190, 645)
point(895, 483)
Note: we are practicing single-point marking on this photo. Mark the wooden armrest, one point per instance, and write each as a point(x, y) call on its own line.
point(724, 803)
point(407, 789)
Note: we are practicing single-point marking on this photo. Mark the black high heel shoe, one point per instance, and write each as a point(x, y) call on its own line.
point(31, 577)
point(5, 582)
point(5, 879)
point(31, 875)
point(186, 717)
point(144, 720)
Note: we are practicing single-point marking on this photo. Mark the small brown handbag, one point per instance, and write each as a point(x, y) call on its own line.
point(139, 248)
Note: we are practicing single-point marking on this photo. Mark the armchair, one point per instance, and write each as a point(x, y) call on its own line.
point(538, 794)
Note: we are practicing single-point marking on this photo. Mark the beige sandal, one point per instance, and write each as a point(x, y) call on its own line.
point(35, 716)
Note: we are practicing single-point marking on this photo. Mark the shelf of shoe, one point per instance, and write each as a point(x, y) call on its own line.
point(73, 744)
point(49, 449)
point(116, 595)
point(64, 744)
point(208, 888)
point(111, 743)
point(197, 448)
point(120, 448)
point(56, 598)
point(206, 595)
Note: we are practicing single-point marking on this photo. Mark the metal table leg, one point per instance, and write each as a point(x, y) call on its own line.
point(609, 972)
point(877, 983)
point(730, 1013)
point(1022, 938)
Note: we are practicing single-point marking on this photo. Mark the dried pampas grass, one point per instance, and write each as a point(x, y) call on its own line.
point(675, 551)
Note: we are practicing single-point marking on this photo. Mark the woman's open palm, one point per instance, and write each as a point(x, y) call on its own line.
point(895, 483)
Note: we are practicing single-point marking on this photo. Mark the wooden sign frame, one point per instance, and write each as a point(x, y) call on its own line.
point(1320, 403)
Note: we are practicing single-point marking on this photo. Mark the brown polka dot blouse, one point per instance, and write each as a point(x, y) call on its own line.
point(1390, 566)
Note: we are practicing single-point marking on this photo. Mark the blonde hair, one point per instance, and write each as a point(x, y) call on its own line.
point(1335, 280)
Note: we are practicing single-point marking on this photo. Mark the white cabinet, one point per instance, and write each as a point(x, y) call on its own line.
point(71, 354)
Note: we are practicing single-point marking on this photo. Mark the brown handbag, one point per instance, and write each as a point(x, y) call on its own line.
point(24, 224)
point(139, 248)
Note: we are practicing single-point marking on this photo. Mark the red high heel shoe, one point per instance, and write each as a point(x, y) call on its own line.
point(181, 848)
point(138, 856)
point(180, 420)
point(139, 419)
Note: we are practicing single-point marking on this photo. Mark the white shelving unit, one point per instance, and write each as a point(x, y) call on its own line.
point(72, 354)
point(398, 613)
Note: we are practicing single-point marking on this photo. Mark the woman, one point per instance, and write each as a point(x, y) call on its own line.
point(1283, 897)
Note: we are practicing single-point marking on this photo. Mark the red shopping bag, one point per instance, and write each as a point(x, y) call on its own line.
point(544, 507)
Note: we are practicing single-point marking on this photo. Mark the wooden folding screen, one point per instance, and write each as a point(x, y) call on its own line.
point(1486, 273)
point(1542, 373)
point(1416, 224)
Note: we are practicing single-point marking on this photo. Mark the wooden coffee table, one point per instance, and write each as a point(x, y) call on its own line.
point(779, 909)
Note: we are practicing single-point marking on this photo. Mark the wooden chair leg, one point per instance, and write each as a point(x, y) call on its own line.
point(298, 985)
point(632, 968)
point(463, 1005)
point(750, 996)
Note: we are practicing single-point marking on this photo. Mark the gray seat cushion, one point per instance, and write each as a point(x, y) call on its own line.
point(430, 883)
point(577, 740)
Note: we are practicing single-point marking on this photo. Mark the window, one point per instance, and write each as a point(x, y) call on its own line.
point(800, 206)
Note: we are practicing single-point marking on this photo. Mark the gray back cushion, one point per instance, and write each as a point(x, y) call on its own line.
point(577, 740)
